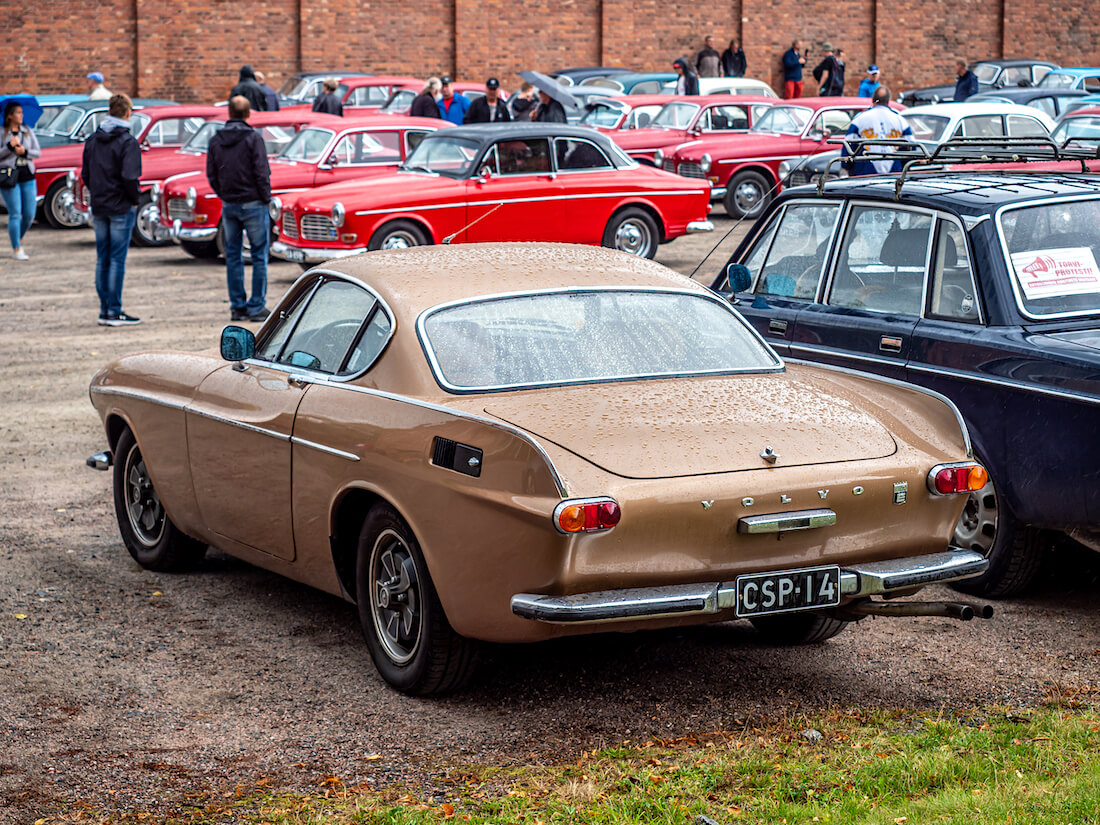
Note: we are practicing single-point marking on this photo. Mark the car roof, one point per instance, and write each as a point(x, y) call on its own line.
point(967, 192)
point(188, 110)
point(412, 280)
point(1086, 111)
point(486, 132)
point(1015, 61)
point(1026, 93)
point(139, 103)
point(380, 121)
point(632, 101)
point(381, 80)
point(295, 115)
point(816, 103)
point(967, 107)
point(312, 75)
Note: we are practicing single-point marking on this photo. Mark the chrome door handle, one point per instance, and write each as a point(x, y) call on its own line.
point(889, 344)
point(777, 327)
point(297, 380)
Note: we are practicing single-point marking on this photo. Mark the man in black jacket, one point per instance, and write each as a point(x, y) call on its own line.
point(236, 165)
point(248, 88)
point(111, 169)
point(488, 109)
point(327, 102)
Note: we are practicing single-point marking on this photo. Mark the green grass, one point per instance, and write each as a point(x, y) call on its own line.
point(1038, 766)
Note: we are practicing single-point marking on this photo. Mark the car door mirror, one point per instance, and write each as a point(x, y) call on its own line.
point(739, 277)
point(238, 344)
point(305, 360)
point(486, 174)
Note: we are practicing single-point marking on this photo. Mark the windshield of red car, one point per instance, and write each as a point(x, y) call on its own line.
point(788, 120)
point(602, 114)
point(675, 116)
point(1053, 254)
point(307, 146)
point(443, 155)
point(588, 336)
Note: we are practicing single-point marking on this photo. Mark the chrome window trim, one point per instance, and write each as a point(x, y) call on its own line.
point(695, 115)
point(827, 263)
point(1012, 279)
point(610, 166)
point(933, 214)
point(904, 385)
point(938, 237)
point(777, 216)
point(321, 158)
point(347, 133)
point(437, 372)
point(324, 275)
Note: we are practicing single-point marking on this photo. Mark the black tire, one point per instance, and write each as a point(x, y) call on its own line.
point(57, 207)
point(397, 235)
point(633, 231)
point(413, 645)
point(143, 224)
point(748, 194)
point(799, 628)
point(1014, 550)
point(150, 536)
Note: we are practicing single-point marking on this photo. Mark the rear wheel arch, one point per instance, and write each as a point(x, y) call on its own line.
point(645, 207)
point(348, 514)
point(115, 426)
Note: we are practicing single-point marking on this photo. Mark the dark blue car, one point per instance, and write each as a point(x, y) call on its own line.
point(984, 286)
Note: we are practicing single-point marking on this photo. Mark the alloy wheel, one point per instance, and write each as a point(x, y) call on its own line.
point(395, 597)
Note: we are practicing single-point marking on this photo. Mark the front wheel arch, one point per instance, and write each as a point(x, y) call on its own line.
point(427, 237)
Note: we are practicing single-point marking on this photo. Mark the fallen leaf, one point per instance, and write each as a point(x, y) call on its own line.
point(157, 593)
point(59, 510)
point(1040, 739)
point(1019, 775)
point(655, 779)
point(448, 809)
point(20, 615)
point(901, 820)
point(373, 757)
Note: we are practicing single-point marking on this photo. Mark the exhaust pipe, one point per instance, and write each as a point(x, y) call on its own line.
point(962, 611)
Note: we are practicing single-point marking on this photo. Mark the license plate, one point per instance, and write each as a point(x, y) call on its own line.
point(786, 591)
point(294, 255)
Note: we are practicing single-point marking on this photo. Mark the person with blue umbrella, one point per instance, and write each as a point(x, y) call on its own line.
point(18, 149)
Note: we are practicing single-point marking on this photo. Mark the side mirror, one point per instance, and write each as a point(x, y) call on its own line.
point(238, 344)
point(739, 277)
point(486, 174)
point(145, 145)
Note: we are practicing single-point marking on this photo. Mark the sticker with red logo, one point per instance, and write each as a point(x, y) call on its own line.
point(1054, 273)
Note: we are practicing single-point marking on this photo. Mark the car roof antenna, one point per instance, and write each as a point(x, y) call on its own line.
point(453, 235)
point(771, 191)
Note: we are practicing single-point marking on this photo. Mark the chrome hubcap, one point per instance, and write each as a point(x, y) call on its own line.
point(977, 528)
point(399, 240)
point(143, 506)
point(64, 208)
point(633, 237)
point(147, 219)
point(747, 196)
point(395, 597)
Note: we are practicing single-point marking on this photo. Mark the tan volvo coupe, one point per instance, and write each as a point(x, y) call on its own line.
point(519, 441)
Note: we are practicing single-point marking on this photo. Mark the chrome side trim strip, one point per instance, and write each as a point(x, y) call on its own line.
point(709, 598)
point(838, 353)
point(572, 197)
point(427, 405)
point(313, 445)
point(1004, 382)
point(905, 385)
point(127, 393)
point(252, 428)
point(782, 522)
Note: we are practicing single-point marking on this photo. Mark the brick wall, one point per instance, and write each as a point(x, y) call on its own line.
point(190, 50)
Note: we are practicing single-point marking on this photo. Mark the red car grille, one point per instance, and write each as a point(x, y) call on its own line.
point(290, 225)
point(691, 170)
point(177, 209)
point(318, 228)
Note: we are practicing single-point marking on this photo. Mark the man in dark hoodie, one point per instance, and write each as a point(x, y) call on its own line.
point(688, 82)
point(248, 88)
point(236, 165)
point(327, 102)
point(111, 169)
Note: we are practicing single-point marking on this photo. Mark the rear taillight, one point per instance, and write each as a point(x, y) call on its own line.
point(586, 515)
point(962, 477)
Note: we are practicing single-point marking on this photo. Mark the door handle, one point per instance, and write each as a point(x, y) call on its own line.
point(297, 380)
point(776, 327)
point(889, 344)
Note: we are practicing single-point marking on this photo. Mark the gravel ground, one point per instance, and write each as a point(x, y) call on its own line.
point(123, 687)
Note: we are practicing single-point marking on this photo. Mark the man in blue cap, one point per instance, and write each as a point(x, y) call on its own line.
point(96, 89)
point(868, 85)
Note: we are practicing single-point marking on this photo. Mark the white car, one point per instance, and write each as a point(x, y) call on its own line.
point(938, 122)
point(726, 86)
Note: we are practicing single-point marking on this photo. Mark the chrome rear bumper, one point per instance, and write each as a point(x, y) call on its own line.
point(311, 255)
point(700, 226)
point(178, 232)
point(856, 581)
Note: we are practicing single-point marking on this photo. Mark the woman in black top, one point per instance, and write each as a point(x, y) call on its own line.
point(18, 149)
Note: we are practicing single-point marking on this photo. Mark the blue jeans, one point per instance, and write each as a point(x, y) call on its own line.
point(112, 242)
point(20, 201)
point(238, 218)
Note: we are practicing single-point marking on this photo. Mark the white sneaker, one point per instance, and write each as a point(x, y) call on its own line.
point(20, 255)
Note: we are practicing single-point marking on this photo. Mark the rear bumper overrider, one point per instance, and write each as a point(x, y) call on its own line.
point(857, 581)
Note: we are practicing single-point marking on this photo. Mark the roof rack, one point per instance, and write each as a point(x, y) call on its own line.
point(963, 150)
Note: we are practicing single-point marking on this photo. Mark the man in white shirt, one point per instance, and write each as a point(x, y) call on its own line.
point(879, 122)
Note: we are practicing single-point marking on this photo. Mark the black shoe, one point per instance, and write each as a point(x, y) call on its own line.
point(103, 319)
point(238, 315)
point(121, 320)
point(260, 315)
